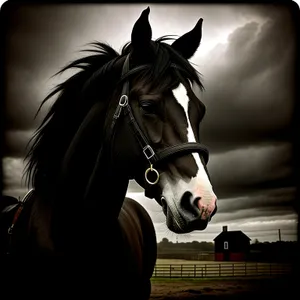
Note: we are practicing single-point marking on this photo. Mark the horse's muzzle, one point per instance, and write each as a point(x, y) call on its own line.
point(187, 218)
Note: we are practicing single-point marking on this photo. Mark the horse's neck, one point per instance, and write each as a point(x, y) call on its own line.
point(40, 224)
point(74, 222)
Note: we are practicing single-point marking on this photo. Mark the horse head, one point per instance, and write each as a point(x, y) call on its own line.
point(158, 116)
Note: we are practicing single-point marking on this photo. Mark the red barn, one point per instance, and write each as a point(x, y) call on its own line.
point(231, 245)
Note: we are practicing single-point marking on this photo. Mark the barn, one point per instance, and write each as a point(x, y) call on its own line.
point(231, 245)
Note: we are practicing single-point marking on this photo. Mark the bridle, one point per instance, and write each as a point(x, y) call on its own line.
point(154, 158)
point(19, 208)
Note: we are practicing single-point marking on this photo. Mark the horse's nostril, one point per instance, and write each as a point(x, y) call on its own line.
point(186, 201)
point(196, 201)
point(189, 204)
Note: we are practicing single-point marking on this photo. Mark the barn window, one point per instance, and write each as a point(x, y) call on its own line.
point(225, 245)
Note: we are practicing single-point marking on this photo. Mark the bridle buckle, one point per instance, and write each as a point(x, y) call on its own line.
point(122, 103)
point(123, 100)
point(148, 152)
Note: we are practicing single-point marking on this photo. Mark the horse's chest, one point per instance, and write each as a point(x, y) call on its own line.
point(131, 244)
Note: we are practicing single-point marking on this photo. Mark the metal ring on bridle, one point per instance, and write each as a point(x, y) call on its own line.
point(123, 100)
point(151, 169)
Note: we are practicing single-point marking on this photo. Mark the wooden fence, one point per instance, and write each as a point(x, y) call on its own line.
point(221, 269)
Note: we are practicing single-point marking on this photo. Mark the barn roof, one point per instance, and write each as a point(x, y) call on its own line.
point(235, 234)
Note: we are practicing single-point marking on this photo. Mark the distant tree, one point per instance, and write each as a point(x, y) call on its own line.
point(165, 241)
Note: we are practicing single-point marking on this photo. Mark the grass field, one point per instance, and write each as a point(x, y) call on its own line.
point(223, 289)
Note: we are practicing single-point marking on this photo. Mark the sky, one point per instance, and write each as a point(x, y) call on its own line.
point(247, 62)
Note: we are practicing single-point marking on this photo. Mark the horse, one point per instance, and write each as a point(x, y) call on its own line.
point(124, 116)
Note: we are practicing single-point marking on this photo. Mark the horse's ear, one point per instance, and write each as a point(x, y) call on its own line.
point(141, 33)
point(188, 43)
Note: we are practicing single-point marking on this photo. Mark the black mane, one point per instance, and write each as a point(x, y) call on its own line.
point(99, 74)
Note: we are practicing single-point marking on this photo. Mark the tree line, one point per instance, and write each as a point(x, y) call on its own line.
point(258, 251)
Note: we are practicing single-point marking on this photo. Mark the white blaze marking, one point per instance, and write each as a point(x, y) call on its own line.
point(201, 176)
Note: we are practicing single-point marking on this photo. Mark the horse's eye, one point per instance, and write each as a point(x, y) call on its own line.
point(148, 106)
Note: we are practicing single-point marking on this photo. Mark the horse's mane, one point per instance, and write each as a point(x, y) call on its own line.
point(100, 72)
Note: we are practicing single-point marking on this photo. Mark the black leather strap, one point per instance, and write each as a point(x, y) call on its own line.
point(182, 149)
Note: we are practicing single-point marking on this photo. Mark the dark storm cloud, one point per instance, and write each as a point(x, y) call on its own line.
point(240, 79)
point(250, 84)
point(24, 93)
point(36, 47)
point(270, 200)
point(249, 97)
point(40, 32)
point(244, 170)
point(251, 215)
point(16, 142)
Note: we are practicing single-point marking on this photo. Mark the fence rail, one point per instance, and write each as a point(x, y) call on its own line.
point(221, 269)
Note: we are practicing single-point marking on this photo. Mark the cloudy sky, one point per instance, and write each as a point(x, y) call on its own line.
point(247, 60)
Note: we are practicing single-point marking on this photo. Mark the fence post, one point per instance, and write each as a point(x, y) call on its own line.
point(245, 269)
point(170, 271)
point(181, 271)
point(219, 270)
point(194, 271)
point(233, 270)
